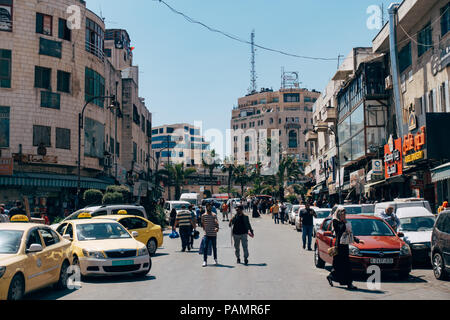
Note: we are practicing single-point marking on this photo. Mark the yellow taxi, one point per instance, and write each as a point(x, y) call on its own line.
point(148, 233)
point(32, 256)
point(105, 247)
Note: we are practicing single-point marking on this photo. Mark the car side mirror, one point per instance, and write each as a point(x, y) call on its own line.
point(35, 248)
point(135, 234)
point(400, 234)
point(67, 237)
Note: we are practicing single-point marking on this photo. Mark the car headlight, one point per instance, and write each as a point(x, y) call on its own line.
point(2, 271)
point(94, 254)
point(142, 252)
point(354, 251)
point(405, 250)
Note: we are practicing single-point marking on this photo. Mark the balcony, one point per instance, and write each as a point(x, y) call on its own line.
point(322, 126)
point(330, 115)
point(311, 136)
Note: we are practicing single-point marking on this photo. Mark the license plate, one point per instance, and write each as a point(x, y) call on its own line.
point(122, 263)
point(382, 261)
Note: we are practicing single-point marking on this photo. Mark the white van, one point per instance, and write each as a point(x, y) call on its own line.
point(192, 198)
point(402, 203)
point(169, 205)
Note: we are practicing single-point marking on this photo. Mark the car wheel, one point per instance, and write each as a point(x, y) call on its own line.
point(63, 277)
point(438, 266)
point(317, 261)
point(152, 246)
point(76, 263)
point(144, 273)
point(16, 288)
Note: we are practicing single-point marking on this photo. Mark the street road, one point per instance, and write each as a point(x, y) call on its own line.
point(279, 269)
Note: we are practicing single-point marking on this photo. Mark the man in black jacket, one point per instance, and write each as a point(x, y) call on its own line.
point(241, 230)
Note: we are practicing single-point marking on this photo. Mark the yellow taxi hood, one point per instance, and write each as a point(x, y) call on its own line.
point(8, 259)
point(110, 244)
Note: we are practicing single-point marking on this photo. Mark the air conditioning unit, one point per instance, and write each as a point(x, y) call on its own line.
point(388, 83)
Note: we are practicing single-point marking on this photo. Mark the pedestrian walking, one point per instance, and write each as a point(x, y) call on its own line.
point(225, 212)
point(241, 230)
point(342, 271)
point(173, 218)
point(443, 207)
point(307, 216)
point(389, 216)
point(255, 212)
point(191, 234)
point(275, 209)
point(210, 225)
point(185, 222)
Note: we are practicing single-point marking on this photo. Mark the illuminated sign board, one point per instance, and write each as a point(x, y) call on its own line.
point(413, 146)
point(393, 158)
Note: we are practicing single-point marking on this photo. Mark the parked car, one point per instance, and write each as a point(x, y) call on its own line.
point(298, 220)
point(96, 211)
point(382, 247)
point(440, 246)
point(322, 214)
point(293, 212)
point(32, 256)
point(402, 203)
point(416, 223)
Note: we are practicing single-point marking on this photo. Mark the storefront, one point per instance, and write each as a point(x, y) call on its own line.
point(440, 176)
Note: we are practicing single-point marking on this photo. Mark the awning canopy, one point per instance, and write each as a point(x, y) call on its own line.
point(441, 173)
point(23, 179)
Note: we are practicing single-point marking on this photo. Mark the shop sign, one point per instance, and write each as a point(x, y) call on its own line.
point(6, 166)
point(416, 144)
point(377, 166)
point(32, 158)
point(356, 177)
point(393, 158)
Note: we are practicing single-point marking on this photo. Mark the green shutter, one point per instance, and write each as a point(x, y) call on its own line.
point(61, 25)
point(39, 23)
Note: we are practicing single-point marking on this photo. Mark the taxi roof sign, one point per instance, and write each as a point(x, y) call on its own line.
point(20, 218)
point(122, 212)
point(84, 215)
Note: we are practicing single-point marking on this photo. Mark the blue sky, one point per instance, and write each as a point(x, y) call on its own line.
point(188, 73)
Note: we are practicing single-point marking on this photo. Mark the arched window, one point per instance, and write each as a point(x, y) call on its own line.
point(293, 141)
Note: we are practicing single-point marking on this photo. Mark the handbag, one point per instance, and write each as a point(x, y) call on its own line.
point(333, 251)
point(174, 235)
point(347, 236)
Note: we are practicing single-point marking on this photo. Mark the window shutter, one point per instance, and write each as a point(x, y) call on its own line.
point(447, 97)
point(435, 103)
point(39, 23)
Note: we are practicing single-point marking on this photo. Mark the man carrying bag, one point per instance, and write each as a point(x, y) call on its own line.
point(241, 230)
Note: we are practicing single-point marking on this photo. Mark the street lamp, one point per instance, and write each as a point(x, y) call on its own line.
point(338, 161)
point(81, 126)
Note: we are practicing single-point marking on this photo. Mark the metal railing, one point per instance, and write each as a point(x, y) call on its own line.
point(95, 50)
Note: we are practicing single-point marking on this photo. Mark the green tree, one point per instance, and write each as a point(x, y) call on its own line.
point(210, 161)
point(112, 198)
point(92, 197)
point(241, 177)
point(123, 190)
point(178, 175)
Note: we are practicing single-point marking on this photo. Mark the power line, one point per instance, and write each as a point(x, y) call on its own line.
point(191, 20)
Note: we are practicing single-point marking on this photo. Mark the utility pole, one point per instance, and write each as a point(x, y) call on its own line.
point(253, 87)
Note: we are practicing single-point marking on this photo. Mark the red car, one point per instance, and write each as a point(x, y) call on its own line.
point(382, 247)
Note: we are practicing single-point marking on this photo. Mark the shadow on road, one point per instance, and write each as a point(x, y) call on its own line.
point(48, 293)
point(223, 266)
point(257, 265)
point(360, 290)
point(158, 254)
point(118, 279)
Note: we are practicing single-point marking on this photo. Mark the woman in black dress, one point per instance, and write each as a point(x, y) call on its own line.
point(173, 217)
point(342, 271)
point(255, 210)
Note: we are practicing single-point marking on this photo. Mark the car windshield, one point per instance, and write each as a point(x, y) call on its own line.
point(323, 214)
point(370, 227)
point(353, 210)
point(417, 223)
point(10, 241)
point(101, 231)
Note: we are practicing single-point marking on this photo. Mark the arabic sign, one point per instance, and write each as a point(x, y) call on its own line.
point(6, 166)
point(413, 146)
point(393, 158)
point(32, 158)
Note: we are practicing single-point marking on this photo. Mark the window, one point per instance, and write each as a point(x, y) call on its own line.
point(50, 48)
point(170, 130)
point(293, 141)
point(69, 230)
point(48, 237)
point(63, 138)
point(134, 152)
point(94, 138)
point(33, 238)
point(248, 146)
point(63, 30)
point(42, 78)
point(44, 24)
point(63, 81)
point(6, 15)
point(50, 100)
point(95, 37)
point(108, 53)
point(155, 131)
point(42, 135)
point(4, 127)
point(118, 149)
point(445, 19)
point(61, 229)
point(136, 117)
point(5, 67)
point(94, 87)
point(138, 223)
point(291, 97)
point(161, 130)
point(405, 57)
point(425, 40)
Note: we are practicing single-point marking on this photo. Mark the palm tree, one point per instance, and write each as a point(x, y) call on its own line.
point(228, 167)
point(178, 174)
point(288, 170)
point(211, 163)
point(241, 176)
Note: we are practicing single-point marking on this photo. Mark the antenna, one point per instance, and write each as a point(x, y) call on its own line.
point(253, 87)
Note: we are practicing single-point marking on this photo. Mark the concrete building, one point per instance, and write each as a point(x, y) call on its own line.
point(423, 49)
point(49, 72)
point(288, 110)
point(178, 143)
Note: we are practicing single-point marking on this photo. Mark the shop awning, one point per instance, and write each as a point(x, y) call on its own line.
point(52, 181)
point(441, 173)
